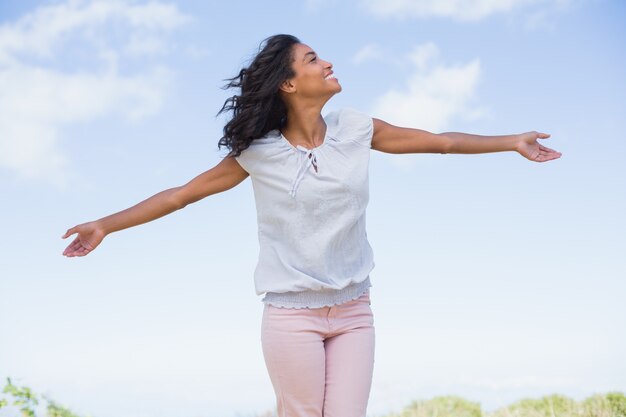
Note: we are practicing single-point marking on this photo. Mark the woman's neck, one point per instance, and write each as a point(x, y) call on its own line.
point(305, 126)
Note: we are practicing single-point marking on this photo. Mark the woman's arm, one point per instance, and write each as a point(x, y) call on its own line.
point(393, 139)
point(224, 176)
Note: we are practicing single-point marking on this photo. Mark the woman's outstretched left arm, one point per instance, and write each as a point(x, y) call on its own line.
point(393, 139)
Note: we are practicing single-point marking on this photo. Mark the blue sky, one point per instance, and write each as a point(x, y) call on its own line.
point(496, 278)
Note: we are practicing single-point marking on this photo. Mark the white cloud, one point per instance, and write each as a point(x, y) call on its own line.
point(462, 10)
point(434, 93)
point(41, 31)
point(368, 52)
point(36, 101)
point(432, 96)
point(544, 17)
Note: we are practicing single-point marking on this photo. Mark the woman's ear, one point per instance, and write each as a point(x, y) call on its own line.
point(287, 86)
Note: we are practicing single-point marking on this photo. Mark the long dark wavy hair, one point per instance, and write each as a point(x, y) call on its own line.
point(258, 108)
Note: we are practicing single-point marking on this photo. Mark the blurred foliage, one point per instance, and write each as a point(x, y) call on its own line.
point(550, 406)
point(612, 404)
point(448, 406)
point(26, 402)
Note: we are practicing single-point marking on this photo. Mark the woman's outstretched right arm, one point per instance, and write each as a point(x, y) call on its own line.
point(224, 176)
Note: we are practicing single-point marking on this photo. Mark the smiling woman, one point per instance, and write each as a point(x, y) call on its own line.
point(311, 186)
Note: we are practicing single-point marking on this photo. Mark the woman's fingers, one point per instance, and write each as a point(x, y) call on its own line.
point(75, 244)
point(545, 148)
point(69, 232)
point(79, 247)
point(551, 153)
point(547, 157)
point(80, 251)
point(74, 247)
point(88, 238)
point(533, 150)
point(70, 247)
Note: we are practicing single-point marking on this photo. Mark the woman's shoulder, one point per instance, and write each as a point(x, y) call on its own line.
point(270, 137)
point(264, 143)
point(267, 146)
point(346, 114)
point(350, 123)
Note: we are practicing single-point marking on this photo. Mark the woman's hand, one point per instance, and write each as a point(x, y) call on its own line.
point(529, 148)
point(89, 237)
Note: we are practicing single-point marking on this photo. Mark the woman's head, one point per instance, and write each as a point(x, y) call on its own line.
point(283, 72)
point(313, 78)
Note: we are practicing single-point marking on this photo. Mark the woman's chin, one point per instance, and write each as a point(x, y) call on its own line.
point(335, 90)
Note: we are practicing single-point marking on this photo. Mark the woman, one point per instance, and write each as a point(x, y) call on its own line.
point(310, 179)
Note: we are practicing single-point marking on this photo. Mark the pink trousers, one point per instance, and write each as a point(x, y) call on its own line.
point(320, 360)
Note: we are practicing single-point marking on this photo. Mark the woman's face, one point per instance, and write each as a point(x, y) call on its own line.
point(313, 75)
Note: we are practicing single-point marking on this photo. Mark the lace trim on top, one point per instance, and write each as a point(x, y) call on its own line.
point(317, 298)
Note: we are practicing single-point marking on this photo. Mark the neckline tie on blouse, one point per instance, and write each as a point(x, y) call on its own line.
point(309, 158)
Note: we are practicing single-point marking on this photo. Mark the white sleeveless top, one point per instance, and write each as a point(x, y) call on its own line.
point(311, 213)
